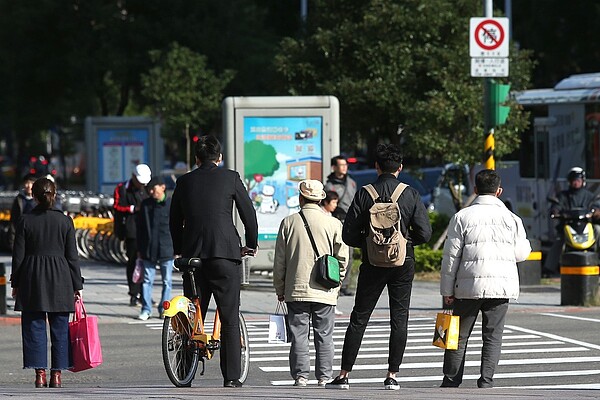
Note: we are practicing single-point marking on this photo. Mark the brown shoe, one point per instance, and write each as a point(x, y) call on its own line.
point(40, 378)
point(55, 379)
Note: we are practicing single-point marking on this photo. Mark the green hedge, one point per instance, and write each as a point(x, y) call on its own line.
point(427, 259)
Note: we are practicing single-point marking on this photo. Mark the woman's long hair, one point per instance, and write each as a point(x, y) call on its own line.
point(44, 192)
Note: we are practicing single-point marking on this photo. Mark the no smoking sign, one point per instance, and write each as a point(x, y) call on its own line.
point(488, 37)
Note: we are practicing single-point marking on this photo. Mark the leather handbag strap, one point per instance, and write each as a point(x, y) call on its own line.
point(310, 236)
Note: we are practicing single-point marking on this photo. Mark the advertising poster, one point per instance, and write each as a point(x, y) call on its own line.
point(279, 152)
point(120, 150)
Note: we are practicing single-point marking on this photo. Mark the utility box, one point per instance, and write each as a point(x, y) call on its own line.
point(274, 143)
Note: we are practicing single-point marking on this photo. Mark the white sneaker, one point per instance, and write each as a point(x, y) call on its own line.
point(338, 312)
point(300, 381)
point(322, 382)
point(143, 316)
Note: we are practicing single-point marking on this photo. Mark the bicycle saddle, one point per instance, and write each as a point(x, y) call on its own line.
point(186, 264)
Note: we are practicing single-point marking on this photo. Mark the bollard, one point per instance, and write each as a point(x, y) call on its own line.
point(2, 289)
point(578, 278)
point(530, 270)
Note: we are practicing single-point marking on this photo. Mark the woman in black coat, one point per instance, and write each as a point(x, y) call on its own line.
point(45, 278)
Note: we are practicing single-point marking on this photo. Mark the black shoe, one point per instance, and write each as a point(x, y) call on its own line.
point(338, 383)
point(391, 384)
point(346, 292)
point(233, 384)
point(133, 301)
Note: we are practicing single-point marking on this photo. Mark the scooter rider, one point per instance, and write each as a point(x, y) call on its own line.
point(575, 196)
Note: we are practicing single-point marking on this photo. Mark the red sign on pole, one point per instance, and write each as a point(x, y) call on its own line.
point(488, 37)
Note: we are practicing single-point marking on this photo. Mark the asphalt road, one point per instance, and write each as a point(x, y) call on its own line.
point(549, 351)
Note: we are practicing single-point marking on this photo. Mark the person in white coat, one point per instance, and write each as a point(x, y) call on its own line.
point(479, 273)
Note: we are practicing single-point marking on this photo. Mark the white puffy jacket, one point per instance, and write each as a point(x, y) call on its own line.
point(484, 243)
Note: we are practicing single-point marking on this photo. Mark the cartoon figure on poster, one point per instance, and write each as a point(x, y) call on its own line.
point(268, 204)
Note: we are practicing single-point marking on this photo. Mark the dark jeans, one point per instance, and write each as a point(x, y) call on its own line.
point(135, 289)
point(371, 282)
point(493, 313)
point(222, 278)
point(35, 341)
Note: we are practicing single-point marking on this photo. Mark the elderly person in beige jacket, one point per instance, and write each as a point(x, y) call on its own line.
point(294, 281)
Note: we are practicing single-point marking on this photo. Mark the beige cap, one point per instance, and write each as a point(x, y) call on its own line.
point(312, 189)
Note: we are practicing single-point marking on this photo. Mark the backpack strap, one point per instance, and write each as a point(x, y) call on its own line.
point(395, 195)
point(398, 191)
point(371, 190)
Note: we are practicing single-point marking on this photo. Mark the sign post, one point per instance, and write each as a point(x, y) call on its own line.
point(488, 48)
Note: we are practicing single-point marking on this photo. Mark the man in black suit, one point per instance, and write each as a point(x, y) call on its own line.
point(201, 224)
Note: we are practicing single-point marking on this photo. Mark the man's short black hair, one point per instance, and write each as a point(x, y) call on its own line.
point(487, 181)
point(29, 178)
point(334, 160)
point(388, 157)
point(208, 149)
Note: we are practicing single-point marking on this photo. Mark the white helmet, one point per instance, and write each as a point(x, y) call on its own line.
point(575, 173)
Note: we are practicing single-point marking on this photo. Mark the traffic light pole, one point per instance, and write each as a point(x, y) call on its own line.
point(487, 108)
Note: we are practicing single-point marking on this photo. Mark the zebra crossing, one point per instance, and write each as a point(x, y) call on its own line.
point(529, 358)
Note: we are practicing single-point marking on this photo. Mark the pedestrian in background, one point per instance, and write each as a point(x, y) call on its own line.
point(330, 202)
point(479, 273)
point(155, 246)
point(416, 228)
point(328, 206)
point(294, 281)
point(45, 280)
point(128, 198)
point(201, 224)
point(340, 182)
point(22, 204)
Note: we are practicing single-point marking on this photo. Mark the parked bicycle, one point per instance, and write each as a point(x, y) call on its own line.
point(185, 343)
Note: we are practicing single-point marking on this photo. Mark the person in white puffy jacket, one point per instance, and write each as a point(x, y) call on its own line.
point(479, 273)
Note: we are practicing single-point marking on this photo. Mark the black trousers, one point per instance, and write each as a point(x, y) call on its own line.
point(221, 278)
point(371, 282)
point(135, 289)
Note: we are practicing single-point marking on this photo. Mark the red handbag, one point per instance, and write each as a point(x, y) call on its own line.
point(86, 350)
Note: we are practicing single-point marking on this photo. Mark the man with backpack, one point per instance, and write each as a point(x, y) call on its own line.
point(386, 259)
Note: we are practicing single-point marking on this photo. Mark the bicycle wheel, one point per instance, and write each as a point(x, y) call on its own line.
point(180, 355)
point(245, 349)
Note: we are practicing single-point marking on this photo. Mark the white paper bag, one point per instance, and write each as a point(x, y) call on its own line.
point(277, 331)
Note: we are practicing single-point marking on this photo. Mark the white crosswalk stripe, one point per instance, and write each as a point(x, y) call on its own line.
point(526, 354)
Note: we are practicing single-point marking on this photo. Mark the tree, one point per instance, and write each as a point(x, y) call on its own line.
point(260, 161)
point(182, 91)
point(401, 64)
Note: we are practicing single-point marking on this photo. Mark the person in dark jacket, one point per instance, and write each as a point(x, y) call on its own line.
point(575, 196)
point(340, 182)
point(45, 279)
point(155, 246)
point(127, 201)
point(22, 204)
point(416, 228)
point(201, 224)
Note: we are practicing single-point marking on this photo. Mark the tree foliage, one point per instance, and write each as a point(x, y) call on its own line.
point(260, 161)
point(402, 64)
point(182, 90)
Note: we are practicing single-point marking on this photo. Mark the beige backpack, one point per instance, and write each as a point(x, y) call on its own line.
point(386, 246)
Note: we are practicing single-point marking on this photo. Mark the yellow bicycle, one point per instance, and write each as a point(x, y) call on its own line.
point(185, 343)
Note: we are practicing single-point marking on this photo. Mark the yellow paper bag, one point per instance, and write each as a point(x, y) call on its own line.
point(446, 331)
